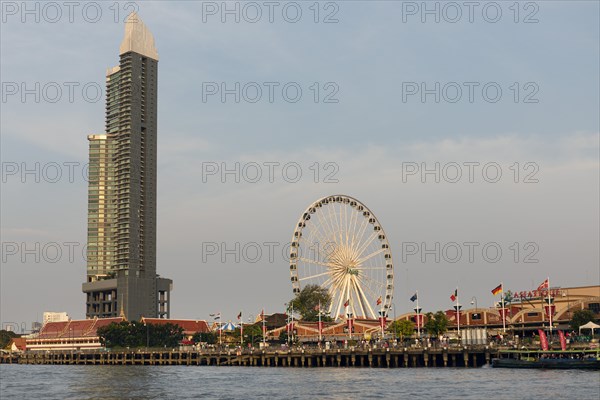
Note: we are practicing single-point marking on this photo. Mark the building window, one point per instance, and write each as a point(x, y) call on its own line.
point(594, 307)
point(476, 316)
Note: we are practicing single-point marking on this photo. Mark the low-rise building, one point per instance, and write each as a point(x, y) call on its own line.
point(190, 326)
point(70, 335)
point(51, 316)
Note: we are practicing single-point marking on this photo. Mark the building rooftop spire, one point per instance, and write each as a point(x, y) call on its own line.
point(138, 38)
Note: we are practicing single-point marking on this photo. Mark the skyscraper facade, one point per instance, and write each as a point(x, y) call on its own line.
point(121, 264)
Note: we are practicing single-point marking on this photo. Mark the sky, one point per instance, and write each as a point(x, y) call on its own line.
point(363, 98)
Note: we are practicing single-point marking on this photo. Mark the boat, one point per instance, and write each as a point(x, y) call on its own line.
point(548, 359)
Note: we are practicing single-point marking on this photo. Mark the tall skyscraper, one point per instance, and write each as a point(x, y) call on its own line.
point(121, 265)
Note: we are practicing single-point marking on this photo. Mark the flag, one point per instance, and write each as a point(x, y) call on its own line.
point(413, 298)
point(347, 303)
point(379, 300)
point(543, 285)
point(543, 339)
point(497, 289)
point(454, 295)
point(563, 340)
point(240, 315)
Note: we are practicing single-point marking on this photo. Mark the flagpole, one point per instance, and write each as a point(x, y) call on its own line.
point(287, 322)
point(542, 301)
point(418, 317)
point(319, 321)
point(503, 310)
point(220, 330)
point(381, 320)
point(549, 308)
point(348, 322)
point(264, 330)
point(242, 328)
point(292, 330)
point(457, 312)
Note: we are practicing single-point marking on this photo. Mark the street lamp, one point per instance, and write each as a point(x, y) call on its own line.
point(395, 322)
point(418, 311)
point(287, 322)
point(350, 324)
point(473, 301)
point(457, 308)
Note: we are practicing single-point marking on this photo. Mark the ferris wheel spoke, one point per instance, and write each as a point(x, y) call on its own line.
point(373, 254)
point(354, 283)
point(328, 284)
point(329, 219)
point(378, 285)
point(315, 262)
point(351, 297)
point(341, 300)
point(366, 244)
point(361, 233)
point(315, 237)
point(338, 221)
point(372, 268)
point(323, 235)
point(321, 230)
point(367, 287)
point(346, 226)
point(333, 215)
point(352, 227)
point(314, 276)
point(355, 230)
point(342, 223)
point(367, 303)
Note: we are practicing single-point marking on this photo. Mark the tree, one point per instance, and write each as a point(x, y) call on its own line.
point(137, 334)
point(283, 336)
point(581, 317)
point(402, 327)
point(436, 323)
point(253, 333)
point(307, 301)
point(6, 337)
point(205, 337)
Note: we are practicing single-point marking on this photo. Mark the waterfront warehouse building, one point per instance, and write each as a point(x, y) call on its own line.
point(121, 238)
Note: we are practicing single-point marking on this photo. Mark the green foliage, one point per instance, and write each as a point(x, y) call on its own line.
point(205, 337)
point(136, 334)
point(581, 317)
point(283, 336)
point(402, 328)
point(5, 337)
point(436, 323)
point(306, 302)
point(251, 332)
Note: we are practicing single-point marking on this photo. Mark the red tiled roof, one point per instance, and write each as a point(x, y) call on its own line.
point(74, 328)
point(107, 321)
point(188, 325)
point(52, 330)
point(19, 342)
point(80, 328)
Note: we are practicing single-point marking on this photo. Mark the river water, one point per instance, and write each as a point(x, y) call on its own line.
point(189, 382)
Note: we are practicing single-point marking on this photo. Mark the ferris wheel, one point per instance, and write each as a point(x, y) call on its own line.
point(339, 244)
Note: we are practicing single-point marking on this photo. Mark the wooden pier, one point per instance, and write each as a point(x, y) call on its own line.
point(374, 358)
